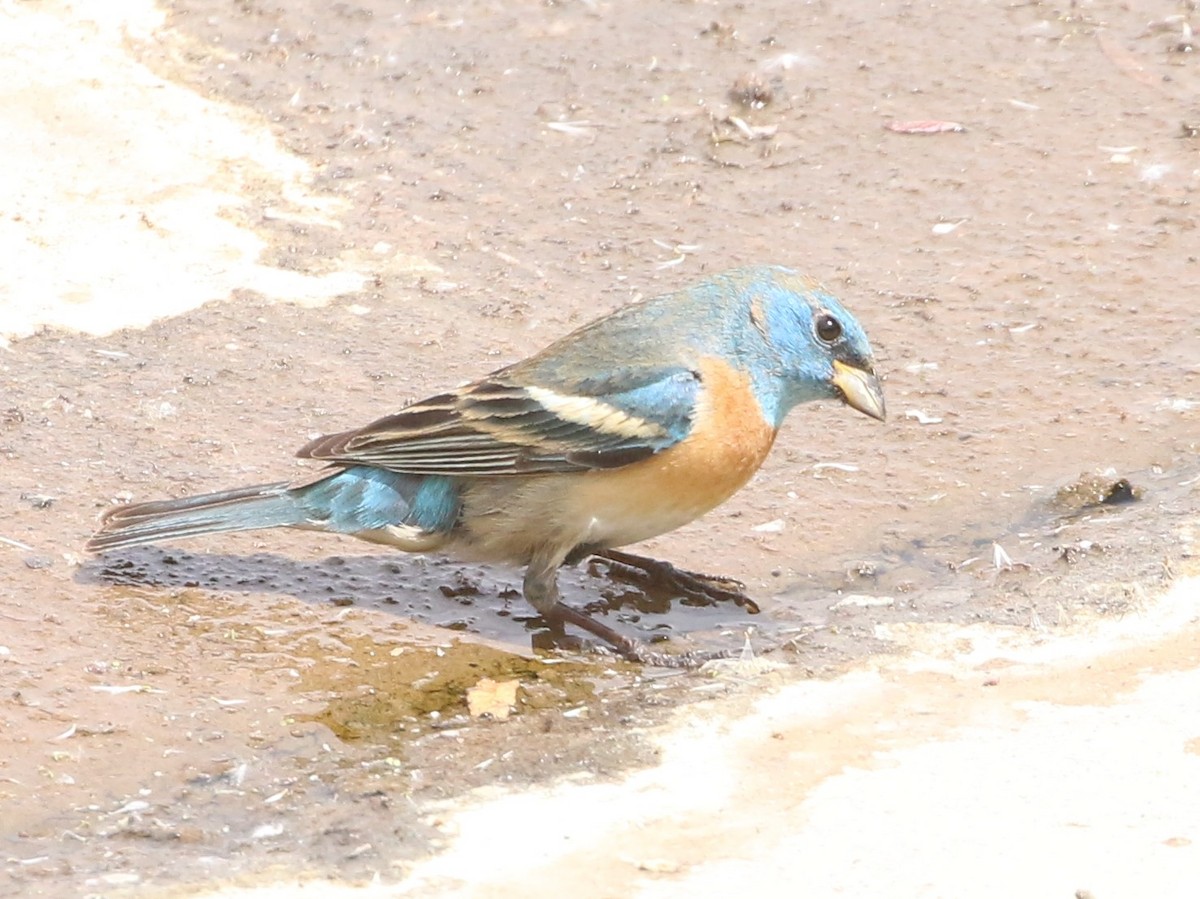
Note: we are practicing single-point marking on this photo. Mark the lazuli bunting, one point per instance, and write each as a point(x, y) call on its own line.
point(627, 428)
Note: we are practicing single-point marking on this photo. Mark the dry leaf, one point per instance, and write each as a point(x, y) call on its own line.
point(494, 698)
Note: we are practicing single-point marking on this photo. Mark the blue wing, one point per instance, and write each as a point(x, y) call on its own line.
point(499, 426)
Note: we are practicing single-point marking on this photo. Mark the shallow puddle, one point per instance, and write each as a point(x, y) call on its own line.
point(389, 693)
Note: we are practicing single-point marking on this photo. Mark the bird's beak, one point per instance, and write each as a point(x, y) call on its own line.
point(859, 389)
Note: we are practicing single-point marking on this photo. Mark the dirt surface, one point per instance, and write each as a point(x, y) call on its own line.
point(501, 172)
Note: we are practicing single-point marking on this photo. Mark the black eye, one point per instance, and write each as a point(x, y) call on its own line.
point(829, 328)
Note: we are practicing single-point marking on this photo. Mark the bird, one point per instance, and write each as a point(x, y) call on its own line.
point(626, 428)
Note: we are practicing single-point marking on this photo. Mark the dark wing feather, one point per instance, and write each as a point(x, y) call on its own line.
point(499, 427)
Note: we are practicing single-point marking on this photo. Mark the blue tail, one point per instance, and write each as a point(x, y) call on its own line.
point(352, 501)
point(244, 509)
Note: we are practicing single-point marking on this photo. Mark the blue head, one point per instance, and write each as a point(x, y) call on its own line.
point(804, 344)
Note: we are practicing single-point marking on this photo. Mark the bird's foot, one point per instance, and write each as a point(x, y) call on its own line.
point(632, 649)
point(654, 574)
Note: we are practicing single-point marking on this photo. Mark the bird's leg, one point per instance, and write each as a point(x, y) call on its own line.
point(690, 584)
point(541, 590)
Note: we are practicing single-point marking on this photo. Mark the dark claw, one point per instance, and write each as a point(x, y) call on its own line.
point(650, 574)
point(631, 649)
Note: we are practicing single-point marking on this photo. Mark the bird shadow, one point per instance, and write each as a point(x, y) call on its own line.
point(476, 599)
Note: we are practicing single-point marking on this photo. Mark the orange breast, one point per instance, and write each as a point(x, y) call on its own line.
point(728, 443)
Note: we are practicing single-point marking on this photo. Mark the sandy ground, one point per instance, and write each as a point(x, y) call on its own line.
point(228, 228)
point(983, 764)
